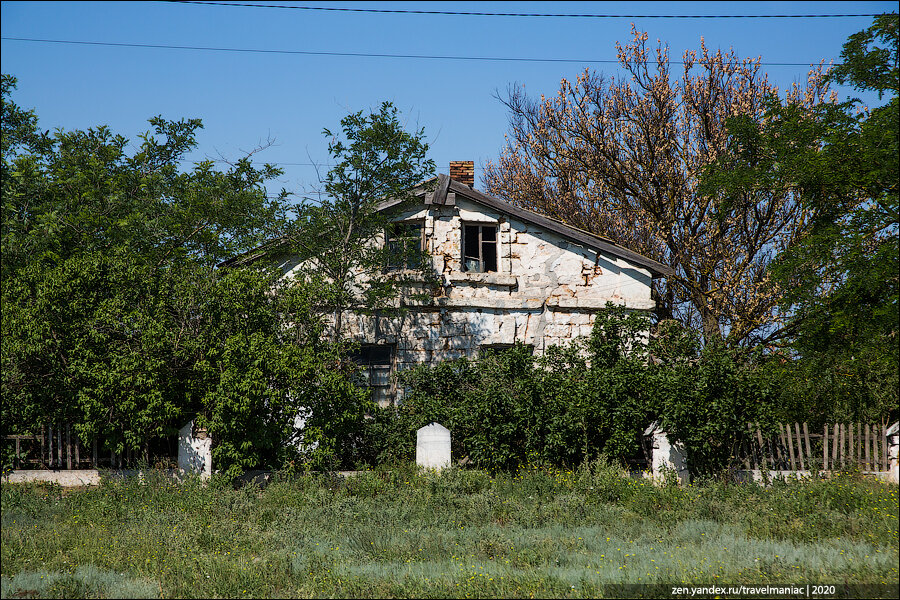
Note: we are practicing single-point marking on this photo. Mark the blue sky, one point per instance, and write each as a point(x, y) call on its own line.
point(245, 98)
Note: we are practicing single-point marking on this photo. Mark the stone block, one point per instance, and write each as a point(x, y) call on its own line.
point(668, 457)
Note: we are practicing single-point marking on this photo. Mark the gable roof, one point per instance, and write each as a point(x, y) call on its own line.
point(445, 185)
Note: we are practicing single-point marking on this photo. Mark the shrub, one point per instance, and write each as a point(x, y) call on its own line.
point(575, 404)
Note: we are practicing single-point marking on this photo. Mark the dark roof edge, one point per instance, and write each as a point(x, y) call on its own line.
point(252, 255)
point(573, 233)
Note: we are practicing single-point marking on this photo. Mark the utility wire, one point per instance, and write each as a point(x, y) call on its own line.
point(356, 54)
point(256, 162)
point(493, 14)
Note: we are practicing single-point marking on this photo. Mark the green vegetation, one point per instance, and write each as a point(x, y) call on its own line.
point(571, 405)
point(338, 235)
point(537, 531)
point(840, 281)
point(116, 321)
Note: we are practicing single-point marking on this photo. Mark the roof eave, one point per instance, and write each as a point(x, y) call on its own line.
point(656, 269)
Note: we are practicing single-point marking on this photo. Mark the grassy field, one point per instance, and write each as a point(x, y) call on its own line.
point(539, 532)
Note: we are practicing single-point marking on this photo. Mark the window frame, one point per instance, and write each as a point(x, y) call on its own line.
point(397, 261)
point(367, 367)
point(481, 258)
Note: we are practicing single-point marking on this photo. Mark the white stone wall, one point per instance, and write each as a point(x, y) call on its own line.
point(546, 289)
point(534, 264)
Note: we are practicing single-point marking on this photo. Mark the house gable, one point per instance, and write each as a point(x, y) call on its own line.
point(448, 192)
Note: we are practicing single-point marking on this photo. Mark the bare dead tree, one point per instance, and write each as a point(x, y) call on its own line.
point(623, 159)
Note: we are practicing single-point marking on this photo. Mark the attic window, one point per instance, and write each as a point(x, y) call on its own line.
point(479, 248)
point(405, 244)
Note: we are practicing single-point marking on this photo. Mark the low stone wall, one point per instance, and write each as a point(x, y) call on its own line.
point(79, 477)
point(759, 476)
point(64, 478)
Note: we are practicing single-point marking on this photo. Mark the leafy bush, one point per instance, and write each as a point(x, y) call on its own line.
point(116, 321)
point(575, 404)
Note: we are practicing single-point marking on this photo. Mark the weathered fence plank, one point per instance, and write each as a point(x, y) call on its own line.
point(808, 446)
point(799, 445)
point(835, 443)
point(68, 447)
point(790, 446)
point(866, 445)
point(762, 447)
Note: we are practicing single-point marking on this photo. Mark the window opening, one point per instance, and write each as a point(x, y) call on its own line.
point(375, 363)
point(488, 349)
point(405, 242)
point(479, 248)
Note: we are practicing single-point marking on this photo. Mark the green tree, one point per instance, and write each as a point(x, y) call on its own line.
point(338, 236)
point(840, 281)
point(116, 320)
point(80, 191)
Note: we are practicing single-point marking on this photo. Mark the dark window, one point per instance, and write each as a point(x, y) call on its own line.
point(404, 244)
point(479, 248)
point(486, 349)
point(376, 364)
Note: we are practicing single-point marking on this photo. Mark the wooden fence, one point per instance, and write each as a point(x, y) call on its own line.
point(58, 447)
point(858, 446)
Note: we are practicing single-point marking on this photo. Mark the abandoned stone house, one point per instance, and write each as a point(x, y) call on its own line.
point(509, 275)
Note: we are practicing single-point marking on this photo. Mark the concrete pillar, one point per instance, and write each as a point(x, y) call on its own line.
point(194, 451)
point(666, 456)
point(433, 447)
point(893, 435)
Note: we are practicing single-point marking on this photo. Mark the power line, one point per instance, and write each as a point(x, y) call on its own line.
point(356, 54)
point(258, 162)
point(493, 14)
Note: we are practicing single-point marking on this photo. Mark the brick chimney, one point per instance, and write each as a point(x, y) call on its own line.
point(463, 171)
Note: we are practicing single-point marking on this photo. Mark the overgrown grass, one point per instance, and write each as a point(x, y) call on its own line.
point(538, 532)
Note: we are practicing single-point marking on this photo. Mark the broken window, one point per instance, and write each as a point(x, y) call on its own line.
point(375, 363)
point(405, 243)
point(479, 248)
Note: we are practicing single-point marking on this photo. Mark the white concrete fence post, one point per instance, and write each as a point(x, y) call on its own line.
point(194, 451)
point(666, 456)
point(893, 436)
point(433, 447)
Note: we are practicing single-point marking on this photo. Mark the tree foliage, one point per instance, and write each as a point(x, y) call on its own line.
point(116, 321)
point(574, 404)
point(623, 159)
point(338, 236)
point(841, 279)
point(80, 191)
